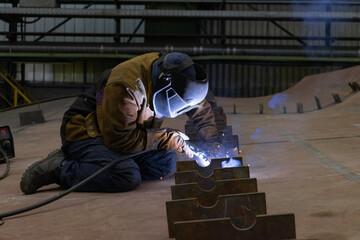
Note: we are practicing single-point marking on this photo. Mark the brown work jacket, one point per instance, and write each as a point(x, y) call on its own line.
point(118, 108)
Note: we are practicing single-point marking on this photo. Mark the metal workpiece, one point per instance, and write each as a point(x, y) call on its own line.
point(191, 130)
point(209, 197)
point(31, 117)
point(354, 86)
point(269, 227)
point(220, 121)
point(204, 171)
point(208, 183)
point(240, 207)
point(231, 142)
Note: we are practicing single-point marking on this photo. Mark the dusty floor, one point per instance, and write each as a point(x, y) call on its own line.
point(307, 164)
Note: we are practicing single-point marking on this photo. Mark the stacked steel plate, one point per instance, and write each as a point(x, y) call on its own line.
point(222, 203)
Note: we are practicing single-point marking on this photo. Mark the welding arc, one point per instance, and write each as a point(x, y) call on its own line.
point(72, 189)
point(6, 172)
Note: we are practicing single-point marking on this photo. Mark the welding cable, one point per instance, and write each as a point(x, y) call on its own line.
point(64, 193)
point(6, 172)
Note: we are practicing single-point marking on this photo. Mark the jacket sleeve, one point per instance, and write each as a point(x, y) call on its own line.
point(117, 119)
point(203, 119)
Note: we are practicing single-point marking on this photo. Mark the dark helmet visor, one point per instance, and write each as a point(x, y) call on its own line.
point(178, 94)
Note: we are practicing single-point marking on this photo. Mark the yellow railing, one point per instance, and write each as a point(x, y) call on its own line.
point(3, 97)
point(18, 89)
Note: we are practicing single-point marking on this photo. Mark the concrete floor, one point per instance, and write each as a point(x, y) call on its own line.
point(307, 164)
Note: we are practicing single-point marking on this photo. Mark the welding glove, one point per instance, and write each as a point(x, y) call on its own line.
point(169, 139)
point(208, 133)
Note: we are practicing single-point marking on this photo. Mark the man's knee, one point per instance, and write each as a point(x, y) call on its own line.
point(126, 180)
point(157, 164)
point(172, 158)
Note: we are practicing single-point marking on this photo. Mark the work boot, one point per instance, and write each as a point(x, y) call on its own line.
point(43, 172)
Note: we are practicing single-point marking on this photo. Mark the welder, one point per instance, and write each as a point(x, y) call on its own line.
point(122, 114)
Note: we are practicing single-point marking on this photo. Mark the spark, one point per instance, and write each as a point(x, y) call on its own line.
point(231, 163)
point(201, 158)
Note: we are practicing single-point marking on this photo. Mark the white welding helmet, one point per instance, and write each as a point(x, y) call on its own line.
point(179, 87)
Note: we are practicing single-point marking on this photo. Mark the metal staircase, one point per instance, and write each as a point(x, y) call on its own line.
point(19, 90)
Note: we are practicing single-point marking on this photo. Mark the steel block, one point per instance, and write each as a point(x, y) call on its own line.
point(299, 108)
point(243, 207)
point(269, 227)
point(209, 197)
point(33, 117)
point(318, 104)
point(336, 97)
point(261, 108)
point(207, 183)
point(354, 86)
point(230, 141)
point(227, 131)
point(204, 171)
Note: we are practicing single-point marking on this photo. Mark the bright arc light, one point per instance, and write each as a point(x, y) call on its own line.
point(231, 163)
point(202, 160)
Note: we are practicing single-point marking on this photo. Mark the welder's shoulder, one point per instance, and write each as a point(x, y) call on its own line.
point(136, 68)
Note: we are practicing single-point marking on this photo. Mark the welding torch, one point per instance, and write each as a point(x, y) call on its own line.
point(199, 154)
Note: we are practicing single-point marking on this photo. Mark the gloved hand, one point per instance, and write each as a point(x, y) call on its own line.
point(169, 139)
point(208, 133)
point(188, 152)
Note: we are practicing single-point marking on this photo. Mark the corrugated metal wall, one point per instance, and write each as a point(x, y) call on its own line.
point(84, 25)
point(251, 80)
point(74, 71)
point(226, 79)
point(4, 27)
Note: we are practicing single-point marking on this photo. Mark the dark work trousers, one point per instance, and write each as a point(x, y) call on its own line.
point(87, 156)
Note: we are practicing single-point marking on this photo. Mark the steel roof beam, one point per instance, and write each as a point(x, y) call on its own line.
point(192, 50)
point(312, 2)
point(189, 14)
point(282, 2)
point(177, 36)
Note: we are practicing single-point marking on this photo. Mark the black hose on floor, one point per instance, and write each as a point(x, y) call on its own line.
point(72, 189)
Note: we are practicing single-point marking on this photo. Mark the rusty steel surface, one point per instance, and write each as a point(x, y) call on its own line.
point(203, 171)
point(320, 85)
point(305, 163)
point(269, 227)
point(238, 206)
point(209, 197)
point(207, 183)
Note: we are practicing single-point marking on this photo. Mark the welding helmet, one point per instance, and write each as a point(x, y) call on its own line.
point(180, 86)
